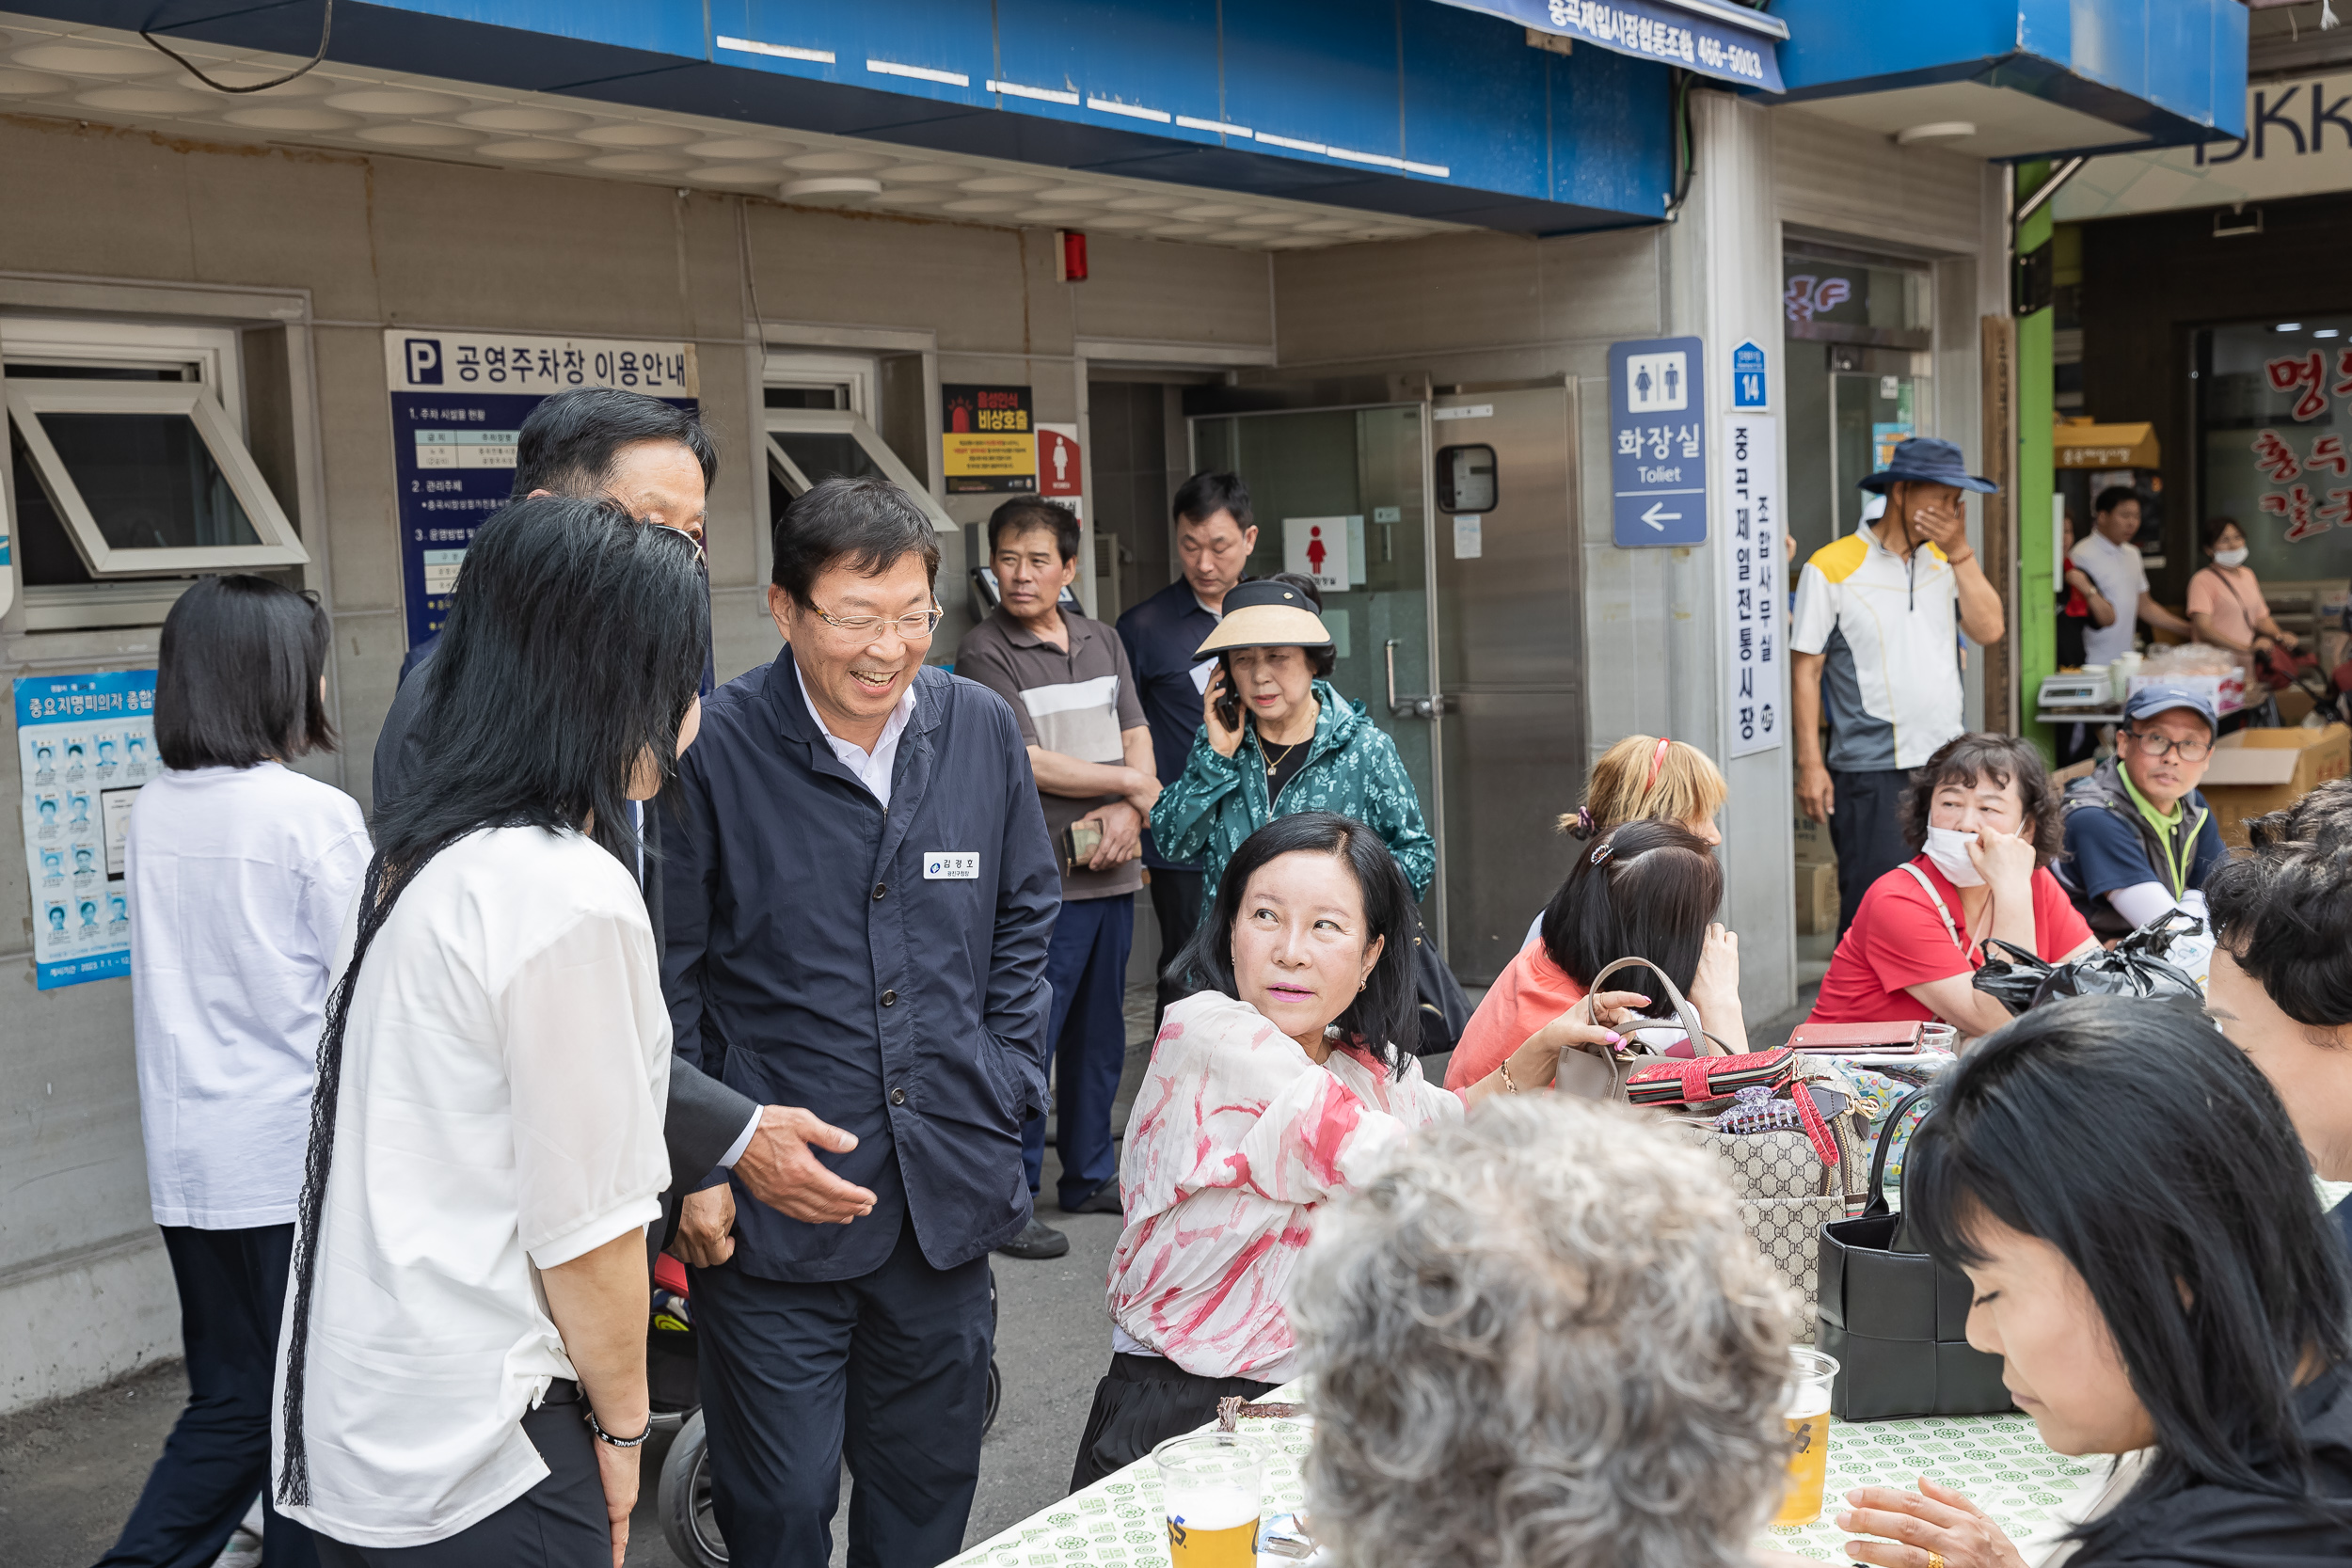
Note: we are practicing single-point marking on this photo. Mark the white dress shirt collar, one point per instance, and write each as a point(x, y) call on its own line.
point(873, 768)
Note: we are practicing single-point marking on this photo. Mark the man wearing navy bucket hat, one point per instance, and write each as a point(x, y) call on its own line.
point(2140, 839)
point(1879, 617)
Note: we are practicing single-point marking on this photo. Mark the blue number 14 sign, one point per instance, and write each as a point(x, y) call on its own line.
point(1657, 441)
point(1747, 378)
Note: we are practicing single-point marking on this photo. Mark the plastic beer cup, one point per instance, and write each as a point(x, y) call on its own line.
point(1807, 1415)
point(1210, 1487)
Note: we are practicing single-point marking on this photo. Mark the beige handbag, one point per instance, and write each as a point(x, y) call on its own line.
point(1787, 1192)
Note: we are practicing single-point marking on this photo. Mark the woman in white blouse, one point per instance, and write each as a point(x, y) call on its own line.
point(462, 1373)
point(1288, 1079)
point(239, 872)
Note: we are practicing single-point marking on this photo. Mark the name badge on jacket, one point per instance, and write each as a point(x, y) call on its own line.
point(951, 865)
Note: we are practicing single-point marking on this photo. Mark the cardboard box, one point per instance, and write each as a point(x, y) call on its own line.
point(2254, 771)
point(1812, 844)
point(2294, 702)
point(1817, 899)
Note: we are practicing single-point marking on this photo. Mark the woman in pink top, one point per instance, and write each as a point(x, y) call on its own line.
point(1289, 1078)
point(2225, 599)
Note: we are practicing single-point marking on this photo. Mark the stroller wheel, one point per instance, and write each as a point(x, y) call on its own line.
point(684, 1500)
point(995, 1396)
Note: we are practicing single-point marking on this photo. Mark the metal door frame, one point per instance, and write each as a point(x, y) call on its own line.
point(1433, 810)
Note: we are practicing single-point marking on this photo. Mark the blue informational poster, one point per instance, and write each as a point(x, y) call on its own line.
point(459, 398)
point(84, 746)
point(1657, 441)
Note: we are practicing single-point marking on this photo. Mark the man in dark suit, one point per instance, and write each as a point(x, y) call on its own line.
point(860, 893)
point(656, 460)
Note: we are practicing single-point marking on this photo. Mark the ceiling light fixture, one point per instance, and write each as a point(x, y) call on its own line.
point(2288, 326)
point(1942, 130)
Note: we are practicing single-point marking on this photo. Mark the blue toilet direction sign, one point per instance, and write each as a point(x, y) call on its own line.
point(1747, 378)
point(1657, 441)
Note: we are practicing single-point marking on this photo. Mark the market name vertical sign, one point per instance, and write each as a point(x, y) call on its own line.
point(1753, 585)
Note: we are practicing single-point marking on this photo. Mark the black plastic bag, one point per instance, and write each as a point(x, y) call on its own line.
point(2016, 981)
point(2133, 967)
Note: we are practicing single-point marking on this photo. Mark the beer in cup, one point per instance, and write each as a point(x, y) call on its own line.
point(1209, 1489)
point(1808, 1414)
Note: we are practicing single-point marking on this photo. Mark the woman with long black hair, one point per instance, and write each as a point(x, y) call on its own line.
point(462, 1372)
point(2147, 1256)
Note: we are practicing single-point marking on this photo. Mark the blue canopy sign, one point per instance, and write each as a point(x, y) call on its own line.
point(1727, 43)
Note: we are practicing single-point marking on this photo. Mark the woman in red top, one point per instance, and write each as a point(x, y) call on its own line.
point(1987, 823)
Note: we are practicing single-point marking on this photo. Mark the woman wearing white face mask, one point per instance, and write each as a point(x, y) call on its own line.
point(2225, 599)
point(1987, 823)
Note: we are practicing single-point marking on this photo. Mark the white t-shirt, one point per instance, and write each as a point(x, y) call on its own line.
point(507, 1064)
point(2121, 572)
point(239, 879)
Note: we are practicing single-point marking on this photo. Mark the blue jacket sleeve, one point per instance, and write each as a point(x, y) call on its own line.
point(1029, 899)
point(1184, 818)
point(689, 873)
point(1392, 810)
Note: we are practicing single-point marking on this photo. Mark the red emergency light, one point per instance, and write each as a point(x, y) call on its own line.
point(1070, 256)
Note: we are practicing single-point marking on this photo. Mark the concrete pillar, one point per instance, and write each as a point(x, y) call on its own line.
point(1723, 285)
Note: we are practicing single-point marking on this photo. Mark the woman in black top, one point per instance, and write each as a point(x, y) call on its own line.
point(2137, 1221)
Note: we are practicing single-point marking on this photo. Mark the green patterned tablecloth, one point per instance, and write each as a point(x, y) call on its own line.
point(1997, 1460)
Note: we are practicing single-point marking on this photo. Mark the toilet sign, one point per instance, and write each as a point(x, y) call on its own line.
point(1057, 469)
point(1657, 441)
point(1316, 548)
point(1747, 378)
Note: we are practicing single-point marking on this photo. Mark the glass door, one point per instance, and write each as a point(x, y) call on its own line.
point(1352, 478)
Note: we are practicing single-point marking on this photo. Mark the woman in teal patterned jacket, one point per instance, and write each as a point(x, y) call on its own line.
point(1276, 738)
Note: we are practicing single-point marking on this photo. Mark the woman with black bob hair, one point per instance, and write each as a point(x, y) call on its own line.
point(239, 872)
point(462, 1373)
point(2146, 1252)
point(1287, 1078)
point(1649, 888)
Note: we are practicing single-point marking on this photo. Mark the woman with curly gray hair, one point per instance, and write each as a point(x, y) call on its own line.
point(1541, 1338)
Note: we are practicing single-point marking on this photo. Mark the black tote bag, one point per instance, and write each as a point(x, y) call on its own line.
point(1445, 1010)
point(1896, 1321)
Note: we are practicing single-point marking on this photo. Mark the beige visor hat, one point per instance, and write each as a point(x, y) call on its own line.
point(1266, 614)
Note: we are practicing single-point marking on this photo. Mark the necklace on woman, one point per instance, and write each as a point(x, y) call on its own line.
point(1273, 763)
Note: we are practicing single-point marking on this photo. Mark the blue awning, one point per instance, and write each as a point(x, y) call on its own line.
point(1731, 43)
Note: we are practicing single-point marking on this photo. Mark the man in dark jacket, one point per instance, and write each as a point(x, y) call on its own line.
point(860, 892)
point(2140, 839)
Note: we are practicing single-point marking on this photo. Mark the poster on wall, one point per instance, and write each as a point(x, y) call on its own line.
point(459, 398)
point(987, 443)
point(2276, 432)
point(84, 746)
point(1753, 582)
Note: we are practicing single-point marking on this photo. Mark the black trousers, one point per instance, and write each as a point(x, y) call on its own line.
point(1141, 1402)
point(1866, 829)
point(558, 1523)
point(889, 1370)
point(232, 1293)
point(1176, 905)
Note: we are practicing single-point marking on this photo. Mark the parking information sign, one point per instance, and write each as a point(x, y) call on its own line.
point(1657, 441)
point(457, 401)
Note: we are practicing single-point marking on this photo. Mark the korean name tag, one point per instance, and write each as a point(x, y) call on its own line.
point(951, 865)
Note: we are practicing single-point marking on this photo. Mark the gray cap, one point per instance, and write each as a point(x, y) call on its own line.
point(2149, 700)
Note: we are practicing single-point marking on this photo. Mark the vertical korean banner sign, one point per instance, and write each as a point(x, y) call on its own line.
point(458, 398)
point(1753, 584)
point(84, 746)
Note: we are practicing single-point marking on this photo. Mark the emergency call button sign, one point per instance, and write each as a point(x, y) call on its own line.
point(1657, 442)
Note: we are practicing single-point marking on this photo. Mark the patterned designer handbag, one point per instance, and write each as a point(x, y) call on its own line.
point(1788, 1183)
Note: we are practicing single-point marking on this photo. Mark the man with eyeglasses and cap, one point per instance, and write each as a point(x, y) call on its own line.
point(2140, 840)
point(1876, 648)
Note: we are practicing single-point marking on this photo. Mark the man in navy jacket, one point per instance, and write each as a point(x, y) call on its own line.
point(860, 892)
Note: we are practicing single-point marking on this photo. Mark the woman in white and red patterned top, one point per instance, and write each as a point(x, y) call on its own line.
point(1288, 1078)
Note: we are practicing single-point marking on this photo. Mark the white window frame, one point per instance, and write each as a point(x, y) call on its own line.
point(279, 545)
point(842, 422)
point(855, 375)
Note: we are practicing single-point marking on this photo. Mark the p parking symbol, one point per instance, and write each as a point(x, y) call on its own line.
point(424, 361)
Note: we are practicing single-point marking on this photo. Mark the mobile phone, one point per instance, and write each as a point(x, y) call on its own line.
point(1229, 701)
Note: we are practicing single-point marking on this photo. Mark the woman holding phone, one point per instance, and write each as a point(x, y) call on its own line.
point(1276, 738)
point(1987, 824)
point(462, 1372)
